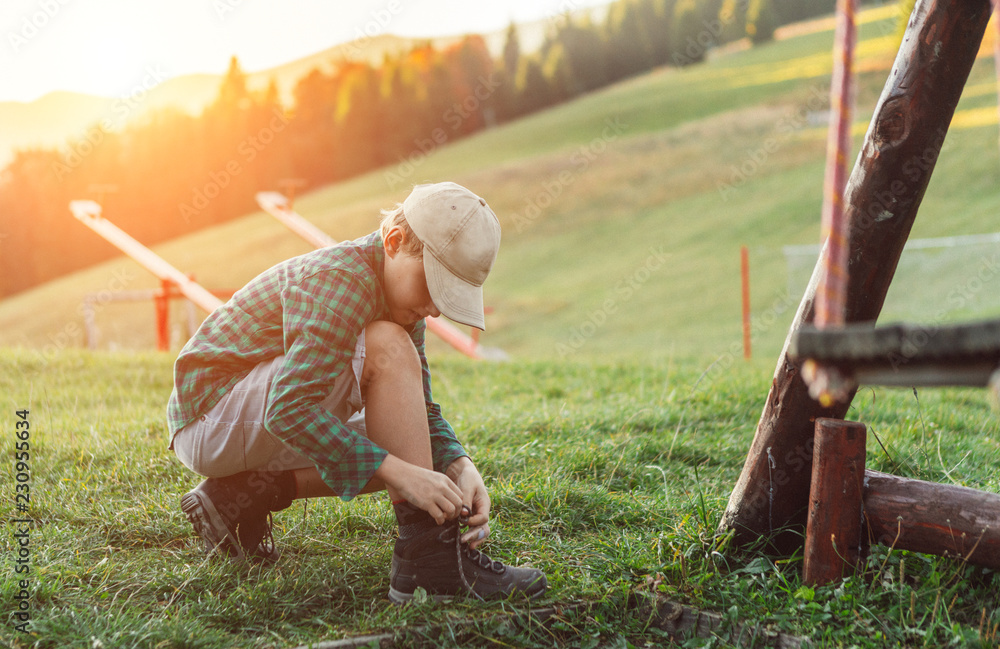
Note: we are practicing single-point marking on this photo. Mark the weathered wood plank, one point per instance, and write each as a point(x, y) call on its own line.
point(905, 354)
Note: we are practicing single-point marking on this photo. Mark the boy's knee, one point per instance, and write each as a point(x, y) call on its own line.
point(388, 347)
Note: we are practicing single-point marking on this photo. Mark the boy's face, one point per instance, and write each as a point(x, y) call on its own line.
point(405, 287)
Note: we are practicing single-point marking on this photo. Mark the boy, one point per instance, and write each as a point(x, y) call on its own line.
point(312, 381)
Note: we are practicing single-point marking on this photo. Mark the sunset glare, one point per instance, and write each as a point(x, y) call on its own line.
point(107, 47)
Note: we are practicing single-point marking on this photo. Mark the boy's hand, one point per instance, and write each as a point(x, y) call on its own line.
point(475, 500)
point(429, 490)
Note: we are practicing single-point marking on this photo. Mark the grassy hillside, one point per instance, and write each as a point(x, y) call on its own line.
point(623, 212)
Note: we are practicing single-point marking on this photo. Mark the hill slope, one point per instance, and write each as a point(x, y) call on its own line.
point(623, 212)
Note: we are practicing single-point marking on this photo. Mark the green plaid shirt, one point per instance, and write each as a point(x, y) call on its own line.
point(311, 308)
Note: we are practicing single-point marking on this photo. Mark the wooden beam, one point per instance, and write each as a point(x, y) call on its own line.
point(934, 518)
point(280, 208)
point(883, 194)
point(833, 529)
point(89, 213)
point(906, 354)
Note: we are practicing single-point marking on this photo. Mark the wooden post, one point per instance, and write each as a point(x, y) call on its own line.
point(936, 518)
point(881, 201)
point(833, 529)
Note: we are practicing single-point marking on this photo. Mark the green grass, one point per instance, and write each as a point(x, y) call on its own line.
point(611, 477)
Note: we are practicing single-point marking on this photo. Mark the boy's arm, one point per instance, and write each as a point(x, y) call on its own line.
point(319, 346)
point(450, 456)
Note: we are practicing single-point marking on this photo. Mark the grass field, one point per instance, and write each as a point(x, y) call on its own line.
point(611, 477)
point(611, 441)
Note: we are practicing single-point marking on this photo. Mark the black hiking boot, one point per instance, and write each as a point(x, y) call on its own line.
point(232, 515)
point(437, 561)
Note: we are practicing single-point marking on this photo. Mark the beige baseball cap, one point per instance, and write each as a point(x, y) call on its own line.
point(461, 237)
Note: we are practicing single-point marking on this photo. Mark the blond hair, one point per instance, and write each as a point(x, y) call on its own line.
point(394, 217)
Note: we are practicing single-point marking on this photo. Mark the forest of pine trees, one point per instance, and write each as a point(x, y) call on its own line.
point(176, 173)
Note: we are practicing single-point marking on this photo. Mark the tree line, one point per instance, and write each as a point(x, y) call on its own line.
point(174, 173)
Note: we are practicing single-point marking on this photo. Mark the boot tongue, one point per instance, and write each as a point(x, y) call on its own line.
point(412, 520)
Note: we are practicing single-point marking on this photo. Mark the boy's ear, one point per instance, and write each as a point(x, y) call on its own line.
point(393, 241)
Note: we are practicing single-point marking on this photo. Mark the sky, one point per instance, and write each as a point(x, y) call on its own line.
point(106, 47)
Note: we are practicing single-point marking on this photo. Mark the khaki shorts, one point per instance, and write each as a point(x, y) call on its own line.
point(231, 438)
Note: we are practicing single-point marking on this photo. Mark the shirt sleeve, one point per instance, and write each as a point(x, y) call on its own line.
point(319, 345)
point(445, 447)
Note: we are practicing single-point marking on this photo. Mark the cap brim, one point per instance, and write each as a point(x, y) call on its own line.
point(454, 297)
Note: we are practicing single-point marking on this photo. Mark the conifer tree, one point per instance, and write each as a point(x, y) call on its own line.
point(506, 102)
point(762, 20)
point(689, 46)
point(733, 18)
point(628, 46)
point(533, 90)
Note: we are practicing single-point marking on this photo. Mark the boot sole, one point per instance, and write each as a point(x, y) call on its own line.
point(209, 525)
point(399, 597)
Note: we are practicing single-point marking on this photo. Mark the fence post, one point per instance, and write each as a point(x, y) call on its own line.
point(833, 528)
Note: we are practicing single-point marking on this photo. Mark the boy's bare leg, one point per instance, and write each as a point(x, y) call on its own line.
point(395, 412)
point(308, 484)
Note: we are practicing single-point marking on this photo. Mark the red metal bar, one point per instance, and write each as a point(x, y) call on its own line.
point(996, 51)
point(825, 383)
point(745, 277)
point(833, 285)
point(162, 301)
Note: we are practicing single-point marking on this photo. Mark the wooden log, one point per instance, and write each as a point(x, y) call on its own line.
point(901, 146)
point(934, 518)
point(833, 529)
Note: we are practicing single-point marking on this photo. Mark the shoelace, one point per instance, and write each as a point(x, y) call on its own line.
point(267, 543)
point(458, 558)
point(262, 548)
point(474, 555)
